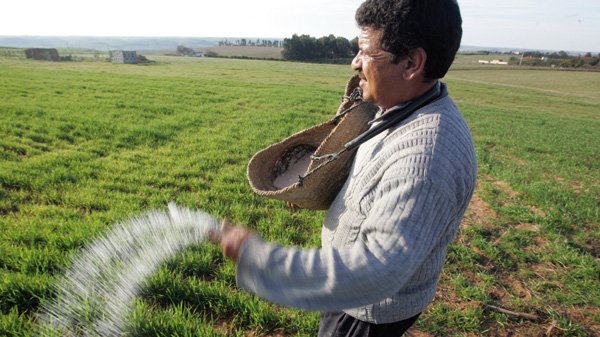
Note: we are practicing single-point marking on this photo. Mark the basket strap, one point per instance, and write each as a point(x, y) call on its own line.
point(396, 115)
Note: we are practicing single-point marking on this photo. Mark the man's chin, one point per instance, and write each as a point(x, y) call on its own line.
point(365, 90)
point(367, 97)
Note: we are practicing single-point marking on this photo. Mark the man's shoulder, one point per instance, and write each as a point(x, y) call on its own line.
point(441, 116)
point(435, 137)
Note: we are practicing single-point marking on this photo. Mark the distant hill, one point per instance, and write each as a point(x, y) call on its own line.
point(107, 43)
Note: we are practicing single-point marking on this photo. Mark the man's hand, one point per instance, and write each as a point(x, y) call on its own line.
point(231, 238)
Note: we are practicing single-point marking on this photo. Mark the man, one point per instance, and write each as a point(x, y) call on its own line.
point(385, 235)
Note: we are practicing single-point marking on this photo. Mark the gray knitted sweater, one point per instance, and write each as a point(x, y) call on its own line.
point(385, 236)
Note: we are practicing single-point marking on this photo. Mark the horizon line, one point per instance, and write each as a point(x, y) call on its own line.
point(474, 46)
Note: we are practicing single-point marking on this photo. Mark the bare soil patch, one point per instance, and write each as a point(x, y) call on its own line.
point(509, 285)
point(478, 211)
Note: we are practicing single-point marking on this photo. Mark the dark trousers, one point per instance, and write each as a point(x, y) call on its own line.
point(338, 324)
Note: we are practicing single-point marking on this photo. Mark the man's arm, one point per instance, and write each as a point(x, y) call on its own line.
point(401, 229)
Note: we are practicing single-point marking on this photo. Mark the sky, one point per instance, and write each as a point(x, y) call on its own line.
point(570, 25)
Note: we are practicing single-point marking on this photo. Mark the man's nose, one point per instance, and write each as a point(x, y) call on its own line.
point(356, 63)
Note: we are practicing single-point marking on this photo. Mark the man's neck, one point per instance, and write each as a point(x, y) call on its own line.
point(416, 92)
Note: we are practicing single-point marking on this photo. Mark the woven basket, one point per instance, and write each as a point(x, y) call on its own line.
point(286, 171)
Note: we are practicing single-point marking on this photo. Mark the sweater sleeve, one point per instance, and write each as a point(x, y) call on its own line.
point(401, 229)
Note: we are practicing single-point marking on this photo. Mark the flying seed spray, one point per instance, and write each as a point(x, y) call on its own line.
point(96, 292)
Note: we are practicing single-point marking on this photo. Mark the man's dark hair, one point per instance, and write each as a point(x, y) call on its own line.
point(434, 25)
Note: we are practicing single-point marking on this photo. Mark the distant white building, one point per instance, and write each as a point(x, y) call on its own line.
point(123, 56)
point(499, 62)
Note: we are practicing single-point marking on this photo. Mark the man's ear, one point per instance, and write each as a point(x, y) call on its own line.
point(415, 64)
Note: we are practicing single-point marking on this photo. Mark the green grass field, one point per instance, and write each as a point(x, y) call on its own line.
point(84, 145)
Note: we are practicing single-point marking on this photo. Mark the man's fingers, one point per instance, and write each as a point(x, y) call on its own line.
point(226, 226)
point(215, 236)
point(230, 238)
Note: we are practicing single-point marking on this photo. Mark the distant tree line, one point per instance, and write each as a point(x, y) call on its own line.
point(251, 43)
point(184, 51)
point(559, 59)
point(12, 52)
point(327, 49)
